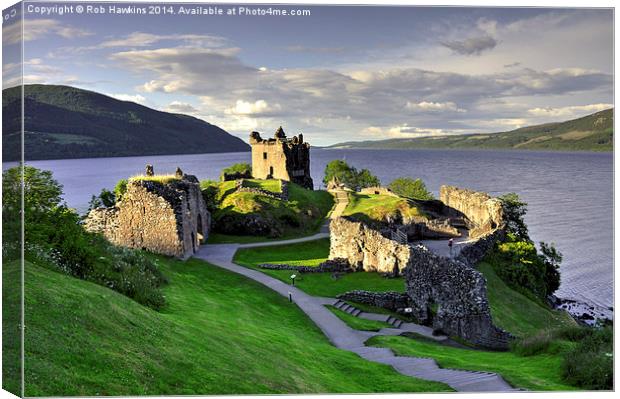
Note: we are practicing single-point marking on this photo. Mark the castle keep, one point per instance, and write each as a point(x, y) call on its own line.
point(281, 158)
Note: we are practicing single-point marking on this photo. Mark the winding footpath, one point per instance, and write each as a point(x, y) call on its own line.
point(346, 338)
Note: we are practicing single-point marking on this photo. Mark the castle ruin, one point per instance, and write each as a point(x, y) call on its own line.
point(281, 158)
point(169, 218)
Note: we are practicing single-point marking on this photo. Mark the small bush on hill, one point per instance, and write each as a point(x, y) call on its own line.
point(242, 169)
point(120, 189)
point(411, 188)
point(533, 345)
point(106, 198)
point(590, 364)
point(54, 238)
point(342, 173)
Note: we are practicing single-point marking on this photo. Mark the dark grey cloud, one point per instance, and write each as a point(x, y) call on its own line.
point(471, 46)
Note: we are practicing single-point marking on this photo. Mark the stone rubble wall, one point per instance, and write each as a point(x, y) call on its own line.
point(366, 249)
point(456, 290)
point(330, 266)
point(281, 196)
point(483, 212)
point(395, 301)
point(168, 219)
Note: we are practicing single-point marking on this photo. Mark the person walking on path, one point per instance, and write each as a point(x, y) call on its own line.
point(450, 244)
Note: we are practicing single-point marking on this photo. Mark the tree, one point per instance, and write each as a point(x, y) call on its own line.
point(106, 198)
point(514, 212)
point(241, 169)
point(551, 258)
point(349, 176)
point(410, 188)
point(41, 191)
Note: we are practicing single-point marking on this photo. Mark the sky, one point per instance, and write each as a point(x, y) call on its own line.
point(341, 73)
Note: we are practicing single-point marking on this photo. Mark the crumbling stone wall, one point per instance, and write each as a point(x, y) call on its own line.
point(483, 212)
point(365, 248)
point(446, 293)
point(170, 219)
point(378, 191)
point(395, 301)
point(281, 158)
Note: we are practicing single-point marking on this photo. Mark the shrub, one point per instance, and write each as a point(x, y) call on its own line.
point(514, 212)
point(120, 189)
point(590, 364)
point(106, 198)
point(54, 238)
point(411, 188)
point(342, 173)
point(533, 345)
point(241, 169)
point(573, 333)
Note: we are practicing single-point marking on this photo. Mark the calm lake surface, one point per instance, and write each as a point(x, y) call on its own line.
point(570, 195)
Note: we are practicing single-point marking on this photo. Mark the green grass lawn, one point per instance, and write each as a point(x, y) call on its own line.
point(517, 313)
point(539, 373)
point(358, 323)
point(219, 334)
point(373, 207)
point(312, 253)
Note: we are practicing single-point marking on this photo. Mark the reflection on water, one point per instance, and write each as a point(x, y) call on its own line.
point(570, 195)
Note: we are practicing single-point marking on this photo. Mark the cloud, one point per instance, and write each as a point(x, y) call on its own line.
point(471, 46)
point(319, 50)
point(568, 112)
point(179, 107)
point(136, 98)
point(512, 65)
point(259, 107)
point(429, 106)
point(39, 28)
point(141, 39)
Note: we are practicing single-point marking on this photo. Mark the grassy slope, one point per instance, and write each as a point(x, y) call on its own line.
point(358, 323)
point(590, 133)
point(515, 312)
point(215, 337)
point(312, 253)
point(372, 207)
point(308, 206)
point(539, 372)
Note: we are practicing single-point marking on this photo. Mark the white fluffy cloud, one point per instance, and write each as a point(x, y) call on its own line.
point(258, 107)
point(430, 106)
point(568, 112)
point(38, 28)
point(136, 98)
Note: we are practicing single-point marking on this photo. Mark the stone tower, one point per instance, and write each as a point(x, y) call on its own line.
point(281, 158)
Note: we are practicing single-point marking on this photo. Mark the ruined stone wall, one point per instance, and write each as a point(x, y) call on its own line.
point(483, 212)
point(170, 219)
point(456, 290)
point(365, 248)
point(395, 301)
point(281, 158)
point(378, 191)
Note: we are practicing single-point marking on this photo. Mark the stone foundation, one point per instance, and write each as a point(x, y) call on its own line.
point(395, 301)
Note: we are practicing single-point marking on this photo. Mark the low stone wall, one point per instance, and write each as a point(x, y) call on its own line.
point(329, 266)
point(378, 191)
point(483, 212)
point(282, 195)
point(391, 300)
point(474, 252)
point(452, 287)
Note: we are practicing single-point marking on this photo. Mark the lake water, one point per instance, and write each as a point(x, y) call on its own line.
point(570, 195)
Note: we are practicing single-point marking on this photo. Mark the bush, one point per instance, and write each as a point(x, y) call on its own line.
point(54, 238)
point(340, 172)
point(411, 188)
point(533, 345)
point(120, 189)
point(590, 364)
point(106, 198)
point(241, 169)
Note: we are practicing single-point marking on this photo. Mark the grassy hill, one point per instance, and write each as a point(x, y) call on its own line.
point(248, 217)
point(67, 122)
point(590, 133)
point(220, 334)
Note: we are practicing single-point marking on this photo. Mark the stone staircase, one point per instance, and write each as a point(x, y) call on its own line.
point(353, 311)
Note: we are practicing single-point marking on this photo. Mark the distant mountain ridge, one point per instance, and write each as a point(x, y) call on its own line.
point(67, 122)
point(589, 133)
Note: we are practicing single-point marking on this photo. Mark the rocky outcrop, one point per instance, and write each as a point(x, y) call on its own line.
point(446, 293)
point(483, 213)
point(170, 219)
